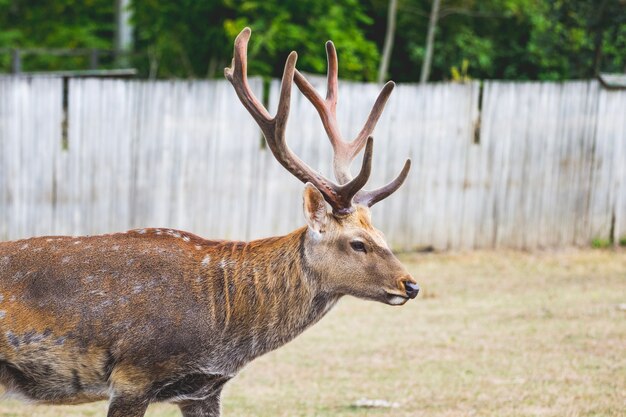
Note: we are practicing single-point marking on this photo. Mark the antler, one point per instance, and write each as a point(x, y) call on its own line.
point(338, 196)
point(345, 152)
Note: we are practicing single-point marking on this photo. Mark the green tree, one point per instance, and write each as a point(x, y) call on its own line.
point(501, 39)
point(509, 39)
point(183, 38)
point(194, 39)
point(55, 24)
point(578, 39)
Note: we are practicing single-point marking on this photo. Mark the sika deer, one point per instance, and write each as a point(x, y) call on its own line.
point(162, 315)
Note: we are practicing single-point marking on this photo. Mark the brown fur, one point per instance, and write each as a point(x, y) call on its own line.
point(163, 315)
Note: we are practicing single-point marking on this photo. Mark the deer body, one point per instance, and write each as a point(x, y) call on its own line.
point(156, 314)
point(164, 315)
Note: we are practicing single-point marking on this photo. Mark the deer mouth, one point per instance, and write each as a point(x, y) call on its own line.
point(395, 299)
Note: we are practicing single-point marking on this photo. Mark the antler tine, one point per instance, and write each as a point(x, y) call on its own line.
point(273, 128)
point(344, 152)
point(375, 113)
point(332, 79)
point(369, 198)
point(325, 109)
point(353, 187)
point(237, 74)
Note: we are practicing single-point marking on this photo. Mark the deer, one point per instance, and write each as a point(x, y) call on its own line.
point(162, 315)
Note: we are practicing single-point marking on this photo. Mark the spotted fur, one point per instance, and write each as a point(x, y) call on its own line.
point(163, 315)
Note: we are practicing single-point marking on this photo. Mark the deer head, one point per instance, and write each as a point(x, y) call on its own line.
point(342, 247)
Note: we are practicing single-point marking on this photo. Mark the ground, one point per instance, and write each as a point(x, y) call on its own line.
point(492, 334)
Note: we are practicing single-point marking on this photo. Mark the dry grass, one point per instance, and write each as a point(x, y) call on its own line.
point(494, 334)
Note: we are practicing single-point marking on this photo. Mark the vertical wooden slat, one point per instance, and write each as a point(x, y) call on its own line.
point(30, 134)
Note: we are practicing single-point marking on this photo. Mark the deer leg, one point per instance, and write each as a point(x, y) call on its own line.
point(127, 407)
point(209, 406)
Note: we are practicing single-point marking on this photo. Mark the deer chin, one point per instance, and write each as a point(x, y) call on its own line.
point(394, 299)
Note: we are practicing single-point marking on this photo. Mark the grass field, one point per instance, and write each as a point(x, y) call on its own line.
point(492, 334)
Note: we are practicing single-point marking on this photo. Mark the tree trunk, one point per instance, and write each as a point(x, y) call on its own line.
point(123, 33)
point(598, 28)
point(391, 31)
point(430, 40)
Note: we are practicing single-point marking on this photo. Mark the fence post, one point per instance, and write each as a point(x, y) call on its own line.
point(16, 61)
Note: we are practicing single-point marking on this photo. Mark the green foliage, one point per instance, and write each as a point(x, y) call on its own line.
point(501, 39)
point(490, 35)
point(577, 39)
point(461, 75)
point(510, 39)
point(305, 26)
point(184, 38)
point(599, 243)
point(55, 24)
point(192, 38)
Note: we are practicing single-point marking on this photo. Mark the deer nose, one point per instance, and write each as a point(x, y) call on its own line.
point(411, 288)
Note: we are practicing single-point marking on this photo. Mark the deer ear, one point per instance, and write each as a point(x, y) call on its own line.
point(314, 208)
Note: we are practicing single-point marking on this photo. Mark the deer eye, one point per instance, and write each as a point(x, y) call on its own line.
point(358, 246)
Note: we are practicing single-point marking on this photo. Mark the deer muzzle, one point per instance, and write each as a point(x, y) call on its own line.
point(411, 288)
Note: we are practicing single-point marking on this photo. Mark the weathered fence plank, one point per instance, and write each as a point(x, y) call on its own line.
point(168, 154)
point(30, 139)
point(538, 165)
point(540, 137)
point(608, 201)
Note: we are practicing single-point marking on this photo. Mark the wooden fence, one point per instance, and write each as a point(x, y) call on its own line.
point(520, 165)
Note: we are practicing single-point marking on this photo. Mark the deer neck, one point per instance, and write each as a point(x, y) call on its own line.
point(265, 292)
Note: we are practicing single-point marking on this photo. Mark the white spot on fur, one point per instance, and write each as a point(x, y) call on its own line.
point(66, 259)
point(224, 263)
point(116, 247)
point(2, 314)
point(206, 260)
point(24, 246)
point(142, 231)
point(186, 238)
point(78, 242)
point(137, 289)
point(198, 247)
